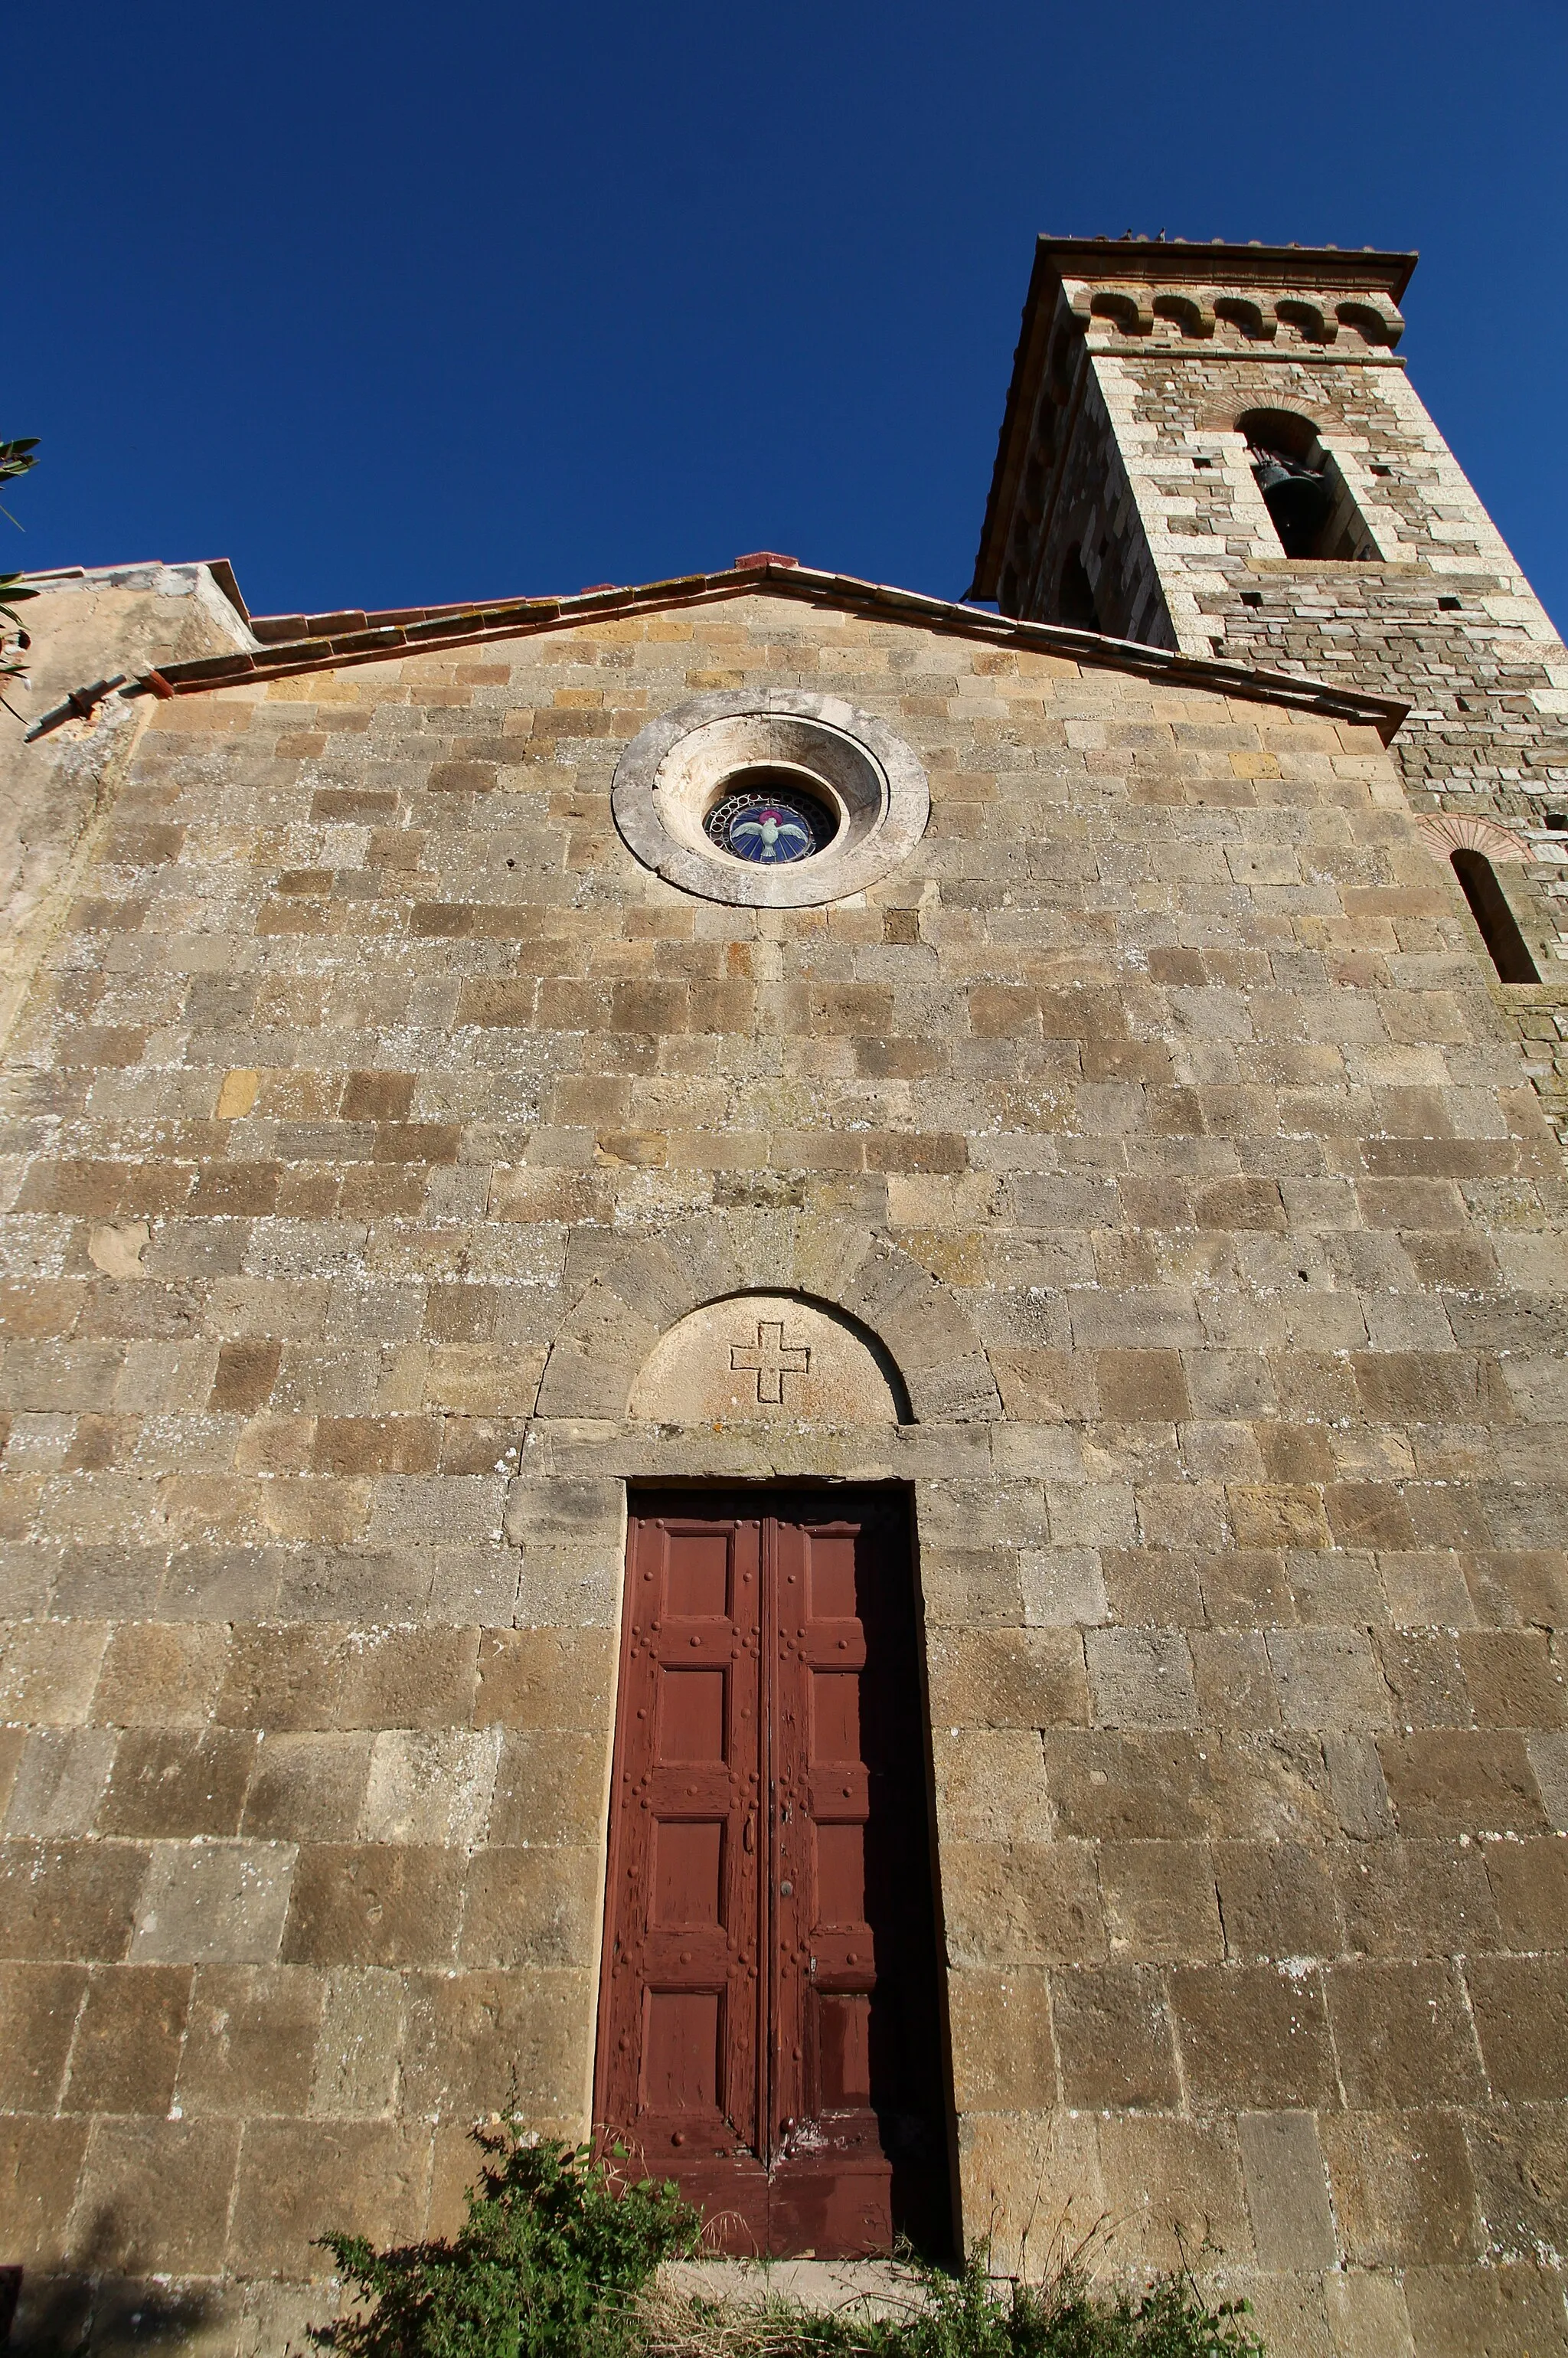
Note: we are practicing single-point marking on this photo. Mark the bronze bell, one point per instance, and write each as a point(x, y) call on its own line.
point(1298, 499)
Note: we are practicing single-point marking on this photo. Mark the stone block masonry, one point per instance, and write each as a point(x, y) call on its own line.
point(373, 1117)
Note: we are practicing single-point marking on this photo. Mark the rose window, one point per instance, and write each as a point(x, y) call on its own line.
point(768, 800)
point(768, 817)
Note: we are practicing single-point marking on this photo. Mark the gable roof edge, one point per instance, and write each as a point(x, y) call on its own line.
point(422, 631)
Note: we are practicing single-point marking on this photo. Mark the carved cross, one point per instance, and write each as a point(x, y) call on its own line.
point(772, 1360)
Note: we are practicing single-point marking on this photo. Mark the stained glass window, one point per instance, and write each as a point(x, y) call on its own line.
point(768, 817)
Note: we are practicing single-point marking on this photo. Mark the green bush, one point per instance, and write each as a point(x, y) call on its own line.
point(557, 2247)
point(971, 2316)
point(548, 2263)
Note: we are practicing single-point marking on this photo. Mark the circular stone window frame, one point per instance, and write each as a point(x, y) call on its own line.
point(675, 770)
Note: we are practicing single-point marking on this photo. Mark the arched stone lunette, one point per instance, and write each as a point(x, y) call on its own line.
point(768, 1358)
point(633, 1289)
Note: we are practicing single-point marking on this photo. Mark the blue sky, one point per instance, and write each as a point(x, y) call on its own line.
point(396, 306)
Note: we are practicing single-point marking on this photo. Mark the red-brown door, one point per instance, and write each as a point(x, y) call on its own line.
point(770, 2026)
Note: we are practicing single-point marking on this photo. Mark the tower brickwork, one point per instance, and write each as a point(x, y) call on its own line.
point(1127, 498)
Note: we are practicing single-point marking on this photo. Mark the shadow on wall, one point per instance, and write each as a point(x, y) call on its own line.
point(1498, 925)
point(83, 2311)
point(1075, 597)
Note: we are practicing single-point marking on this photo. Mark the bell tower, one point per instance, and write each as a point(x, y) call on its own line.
point(1216, 449)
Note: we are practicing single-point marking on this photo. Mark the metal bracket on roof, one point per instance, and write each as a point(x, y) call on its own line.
point(80, 705)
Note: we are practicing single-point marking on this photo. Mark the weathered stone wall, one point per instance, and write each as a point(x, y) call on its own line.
point(1077, 495)
point(372, 1118)
point(61, 766)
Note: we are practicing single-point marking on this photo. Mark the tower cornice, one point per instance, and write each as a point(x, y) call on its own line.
point(1177, 262)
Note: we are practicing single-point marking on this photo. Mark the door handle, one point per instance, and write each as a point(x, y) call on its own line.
point(749, 1836)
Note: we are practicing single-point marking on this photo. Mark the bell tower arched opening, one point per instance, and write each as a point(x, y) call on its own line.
point(1309, 503)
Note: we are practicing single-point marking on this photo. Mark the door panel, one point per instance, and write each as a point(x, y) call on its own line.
point(683, 2052)
point(693, 1722)
point(769, 2031)
point(686, 1893)
point(678, 2066)
point(843, 2050)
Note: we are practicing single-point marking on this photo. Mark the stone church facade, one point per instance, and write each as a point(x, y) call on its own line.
point(426, 1147)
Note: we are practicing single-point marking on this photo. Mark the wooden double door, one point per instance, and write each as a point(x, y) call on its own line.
point(770, 2023)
